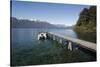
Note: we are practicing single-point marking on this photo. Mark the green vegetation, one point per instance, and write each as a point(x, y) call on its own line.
point(86, 24)
point(87, 20)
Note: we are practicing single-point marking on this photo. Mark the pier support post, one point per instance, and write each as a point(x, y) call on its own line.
point(57, 39)
point(60, 41)
point(70, 45)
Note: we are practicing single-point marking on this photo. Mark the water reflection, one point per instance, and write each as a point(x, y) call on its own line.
point(87, 36)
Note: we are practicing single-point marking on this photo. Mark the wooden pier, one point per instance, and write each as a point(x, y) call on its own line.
point(62, 39)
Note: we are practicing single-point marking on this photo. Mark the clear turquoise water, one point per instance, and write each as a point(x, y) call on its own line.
point(27, 50)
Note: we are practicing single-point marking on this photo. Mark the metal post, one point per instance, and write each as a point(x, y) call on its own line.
point(57, 38)
point(60, 41)
point(70, 45)
point(54, 37)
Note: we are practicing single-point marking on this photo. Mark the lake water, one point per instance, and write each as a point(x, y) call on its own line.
point(27, 50)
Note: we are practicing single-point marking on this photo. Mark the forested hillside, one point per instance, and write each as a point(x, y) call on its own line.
point(87, 20)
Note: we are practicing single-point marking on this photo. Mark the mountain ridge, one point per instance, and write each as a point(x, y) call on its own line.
point(87, 20)
point(24, 23)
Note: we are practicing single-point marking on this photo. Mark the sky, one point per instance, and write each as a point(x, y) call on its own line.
point(54, 13)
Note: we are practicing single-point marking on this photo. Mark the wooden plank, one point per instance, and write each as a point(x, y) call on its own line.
point(88, 45)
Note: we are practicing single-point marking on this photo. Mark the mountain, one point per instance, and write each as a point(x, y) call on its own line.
point(24, 23)
point(87, 20)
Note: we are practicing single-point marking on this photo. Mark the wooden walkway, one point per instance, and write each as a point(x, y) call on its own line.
point(85, 44)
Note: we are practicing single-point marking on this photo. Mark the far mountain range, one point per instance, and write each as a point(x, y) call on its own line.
point(24, 23)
